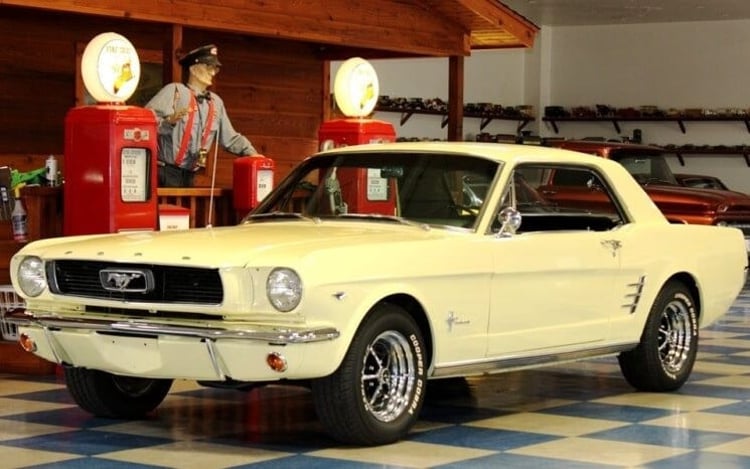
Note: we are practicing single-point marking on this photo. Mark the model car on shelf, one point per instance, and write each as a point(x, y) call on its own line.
point(700, 181)
point(649, 166)
point(370, 271)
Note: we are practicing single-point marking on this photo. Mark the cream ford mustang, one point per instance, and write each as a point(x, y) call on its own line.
point(373, 269)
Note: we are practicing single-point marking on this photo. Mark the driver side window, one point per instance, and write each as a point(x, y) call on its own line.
point(561, 197)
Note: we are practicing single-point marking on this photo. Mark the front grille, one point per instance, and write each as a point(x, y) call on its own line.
point(186, 285)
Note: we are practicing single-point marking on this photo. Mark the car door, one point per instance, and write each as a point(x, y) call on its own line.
point(552, 288)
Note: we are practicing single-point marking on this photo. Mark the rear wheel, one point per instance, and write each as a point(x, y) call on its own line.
point(375, 396)
point(107, 395)
point(666, 354)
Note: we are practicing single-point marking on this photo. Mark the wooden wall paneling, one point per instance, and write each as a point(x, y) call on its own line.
point(8, 247)
point(325, 87)
point(38, 85)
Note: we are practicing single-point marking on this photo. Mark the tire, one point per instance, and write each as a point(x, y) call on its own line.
point(111, 396)
point(666, 354)
point(375, 396)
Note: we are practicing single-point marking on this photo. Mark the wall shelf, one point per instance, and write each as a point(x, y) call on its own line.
point(484, 122)
point(680, 152)
point(680, 120)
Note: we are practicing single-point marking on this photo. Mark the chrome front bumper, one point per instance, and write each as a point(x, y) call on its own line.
point(269, 334)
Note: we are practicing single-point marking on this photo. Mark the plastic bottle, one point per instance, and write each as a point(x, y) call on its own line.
point(18, 220)
point(51, 170)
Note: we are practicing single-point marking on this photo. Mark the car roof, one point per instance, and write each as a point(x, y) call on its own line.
point(508, 153)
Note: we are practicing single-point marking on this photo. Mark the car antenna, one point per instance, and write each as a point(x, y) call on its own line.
point(213, 184)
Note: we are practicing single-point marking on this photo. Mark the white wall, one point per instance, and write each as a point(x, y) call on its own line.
point(489, 76)
point(671, 65)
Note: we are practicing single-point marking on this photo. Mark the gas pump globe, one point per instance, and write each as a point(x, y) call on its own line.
point(356, 90)
point(110, 68)
point(110, 147)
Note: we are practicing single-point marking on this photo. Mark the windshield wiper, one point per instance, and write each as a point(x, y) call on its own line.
point(276, 216)
point(381, 217)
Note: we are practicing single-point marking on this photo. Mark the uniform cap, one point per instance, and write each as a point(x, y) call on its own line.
point(208, 55)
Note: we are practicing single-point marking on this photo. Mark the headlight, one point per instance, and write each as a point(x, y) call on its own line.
point(31, 276)
point(284, 289)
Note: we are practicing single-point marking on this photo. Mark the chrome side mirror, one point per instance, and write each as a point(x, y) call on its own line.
point(510, 218)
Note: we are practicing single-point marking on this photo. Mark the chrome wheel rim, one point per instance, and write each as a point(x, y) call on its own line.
point(675, 336)
point(388, 376)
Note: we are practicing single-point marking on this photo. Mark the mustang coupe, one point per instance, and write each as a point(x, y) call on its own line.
point(373, 269)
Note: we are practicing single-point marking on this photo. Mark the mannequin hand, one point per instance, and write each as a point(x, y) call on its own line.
point(178, 114)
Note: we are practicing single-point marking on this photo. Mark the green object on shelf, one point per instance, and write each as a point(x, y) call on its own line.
point(35, 176)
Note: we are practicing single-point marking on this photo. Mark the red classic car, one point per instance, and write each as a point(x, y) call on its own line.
point(648, 165)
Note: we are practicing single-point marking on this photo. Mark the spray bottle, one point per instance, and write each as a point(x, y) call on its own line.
point(18, 219)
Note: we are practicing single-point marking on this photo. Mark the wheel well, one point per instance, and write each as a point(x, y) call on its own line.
point(688, 280)
point(417, 312)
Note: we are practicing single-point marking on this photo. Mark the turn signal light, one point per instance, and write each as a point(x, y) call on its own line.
point(27, 343)
point(276, 361)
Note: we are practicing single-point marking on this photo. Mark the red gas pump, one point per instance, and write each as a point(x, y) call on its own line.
point(110, 148)
point(110, 170)
point(252, 180)
point(364, 191)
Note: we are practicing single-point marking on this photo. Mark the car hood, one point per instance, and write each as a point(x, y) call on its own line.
point(230, 246)
point(690, 195)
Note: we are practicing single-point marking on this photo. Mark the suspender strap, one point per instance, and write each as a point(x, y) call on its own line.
point(185, 142)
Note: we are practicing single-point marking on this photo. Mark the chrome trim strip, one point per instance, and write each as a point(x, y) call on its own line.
point(491, 366)
point(214, 357)
point(52, 345)
point(269, 334)
point(639, 285)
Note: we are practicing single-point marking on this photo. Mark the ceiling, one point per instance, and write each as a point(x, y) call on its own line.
point(603, 12)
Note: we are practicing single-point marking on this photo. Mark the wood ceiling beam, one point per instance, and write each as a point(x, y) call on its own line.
point(397, 26)
point(500, 17)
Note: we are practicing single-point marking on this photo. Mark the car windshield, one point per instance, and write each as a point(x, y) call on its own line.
point(647, 168)
point(420, 187)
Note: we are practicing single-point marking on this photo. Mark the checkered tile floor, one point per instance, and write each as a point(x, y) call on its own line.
point(581, 415)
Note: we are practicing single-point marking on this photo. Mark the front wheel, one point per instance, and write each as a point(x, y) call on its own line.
point(112, 396)
point(666, 354)
point(375, 396)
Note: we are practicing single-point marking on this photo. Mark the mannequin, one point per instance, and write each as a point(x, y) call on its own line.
point(191, 118)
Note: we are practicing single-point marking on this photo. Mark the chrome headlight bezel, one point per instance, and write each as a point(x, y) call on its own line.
point(284, 289)
point(31, 277)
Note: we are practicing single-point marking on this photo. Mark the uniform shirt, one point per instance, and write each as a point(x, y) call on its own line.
point(176, 96)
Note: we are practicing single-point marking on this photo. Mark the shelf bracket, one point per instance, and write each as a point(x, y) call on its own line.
point(747, 158)
point(405, 117)
point(680, 159)
point(616, 124)
point(681, 123)
point(553, 123)
point(747, 126)
point(521, 125)
point(484, 122)
point(444, 121)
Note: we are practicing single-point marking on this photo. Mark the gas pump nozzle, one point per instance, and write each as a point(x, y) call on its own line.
point(333, 189)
